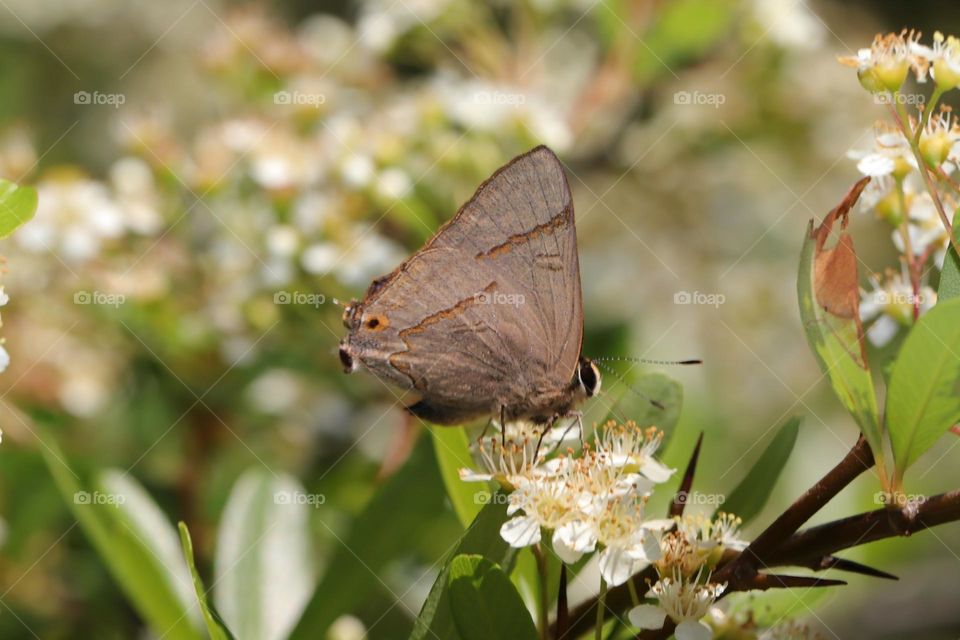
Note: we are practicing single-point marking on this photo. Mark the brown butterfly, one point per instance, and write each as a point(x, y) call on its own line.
point(487, 318)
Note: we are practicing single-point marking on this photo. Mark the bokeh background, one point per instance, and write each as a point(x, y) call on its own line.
point(212, 174)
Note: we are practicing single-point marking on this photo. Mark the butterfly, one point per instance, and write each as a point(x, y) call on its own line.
point(486, 319)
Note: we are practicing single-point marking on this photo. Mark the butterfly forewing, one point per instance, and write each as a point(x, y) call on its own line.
point(489, 312)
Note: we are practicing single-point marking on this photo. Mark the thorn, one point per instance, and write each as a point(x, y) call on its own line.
point(680, 499)
point(764, 581)
point(841, 564)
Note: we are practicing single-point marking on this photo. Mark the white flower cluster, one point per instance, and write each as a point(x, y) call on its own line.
point(596, 501)
point(912, 167)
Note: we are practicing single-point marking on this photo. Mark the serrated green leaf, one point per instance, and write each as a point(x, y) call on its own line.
point(263, 565)
point(832, 322)
point(750, 496)
point(923, 400)
point(216, 627)
point(482, 537)
point(17, 206)
point(452, 449)
point(950, 274)
point(148, 582)
point(484, 603)
point(401, 510)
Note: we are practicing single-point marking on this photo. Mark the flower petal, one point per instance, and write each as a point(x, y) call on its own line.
point(647, 616)
point(658, 524)
point(875, 165)
point(577, 535)
point(469, 475)
point(616, 566)
point(882, 330)
point(693, 630)
point(565, 551)
point(521, 531)
point(656, 471)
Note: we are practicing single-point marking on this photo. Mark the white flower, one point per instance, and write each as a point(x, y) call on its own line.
point(890, 304)
point(722, 530)
point(393, 183)
point(546, 503)
point(891, 155)
point(4, 298)
point(508, 463)
point(136, 194)
point(74, 217)
point(628, 541)
point(631, 448)
point(4, 358)
point(683, 601)
point(945, 59)
point(926, 230)
point(884, 66)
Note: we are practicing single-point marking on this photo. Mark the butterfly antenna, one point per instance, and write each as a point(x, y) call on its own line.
point(340, 303)
point(645, 361)
point(616, 374)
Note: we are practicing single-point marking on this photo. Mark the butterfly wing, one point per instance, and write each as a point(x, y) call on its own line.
point(489, 312)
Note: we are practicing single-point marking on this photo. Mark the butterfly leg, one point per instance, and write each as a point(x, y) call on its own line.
point(503, 426)
point(579, 422)
point(485, 429)
point(546, 428)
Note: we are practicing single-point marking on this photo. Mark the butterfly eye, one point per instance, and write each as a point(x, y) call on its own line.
point(589, 377)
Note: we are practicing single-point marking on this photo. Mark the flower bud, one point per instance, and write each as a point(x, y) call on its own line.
point(889, 209)
point(935, 147)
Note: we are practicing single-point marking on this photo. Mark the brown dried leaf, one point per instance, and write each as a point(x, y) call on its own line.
point(835, 270)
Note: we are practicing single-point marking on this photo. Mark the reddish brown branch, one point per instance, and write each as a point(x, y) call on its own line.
point(854, 531)
point(744, 566)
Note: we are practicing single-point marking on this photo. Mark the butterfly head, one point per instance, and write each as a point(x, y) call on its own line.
point(588, 377)
point(350, 321)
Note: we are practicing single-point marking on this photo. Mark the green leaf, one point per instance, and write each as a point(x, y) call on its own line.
point(750, 496)
point(263, 565)
point(17, 206)
point(435, 621)
point(636, 402)
point(137, 558)
point(401, 510)
point(452, 449)
point(950, 274)
point(685, 30)
point(484, 602)
point(216, 627)
point(923, 400)
point(829, 309)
